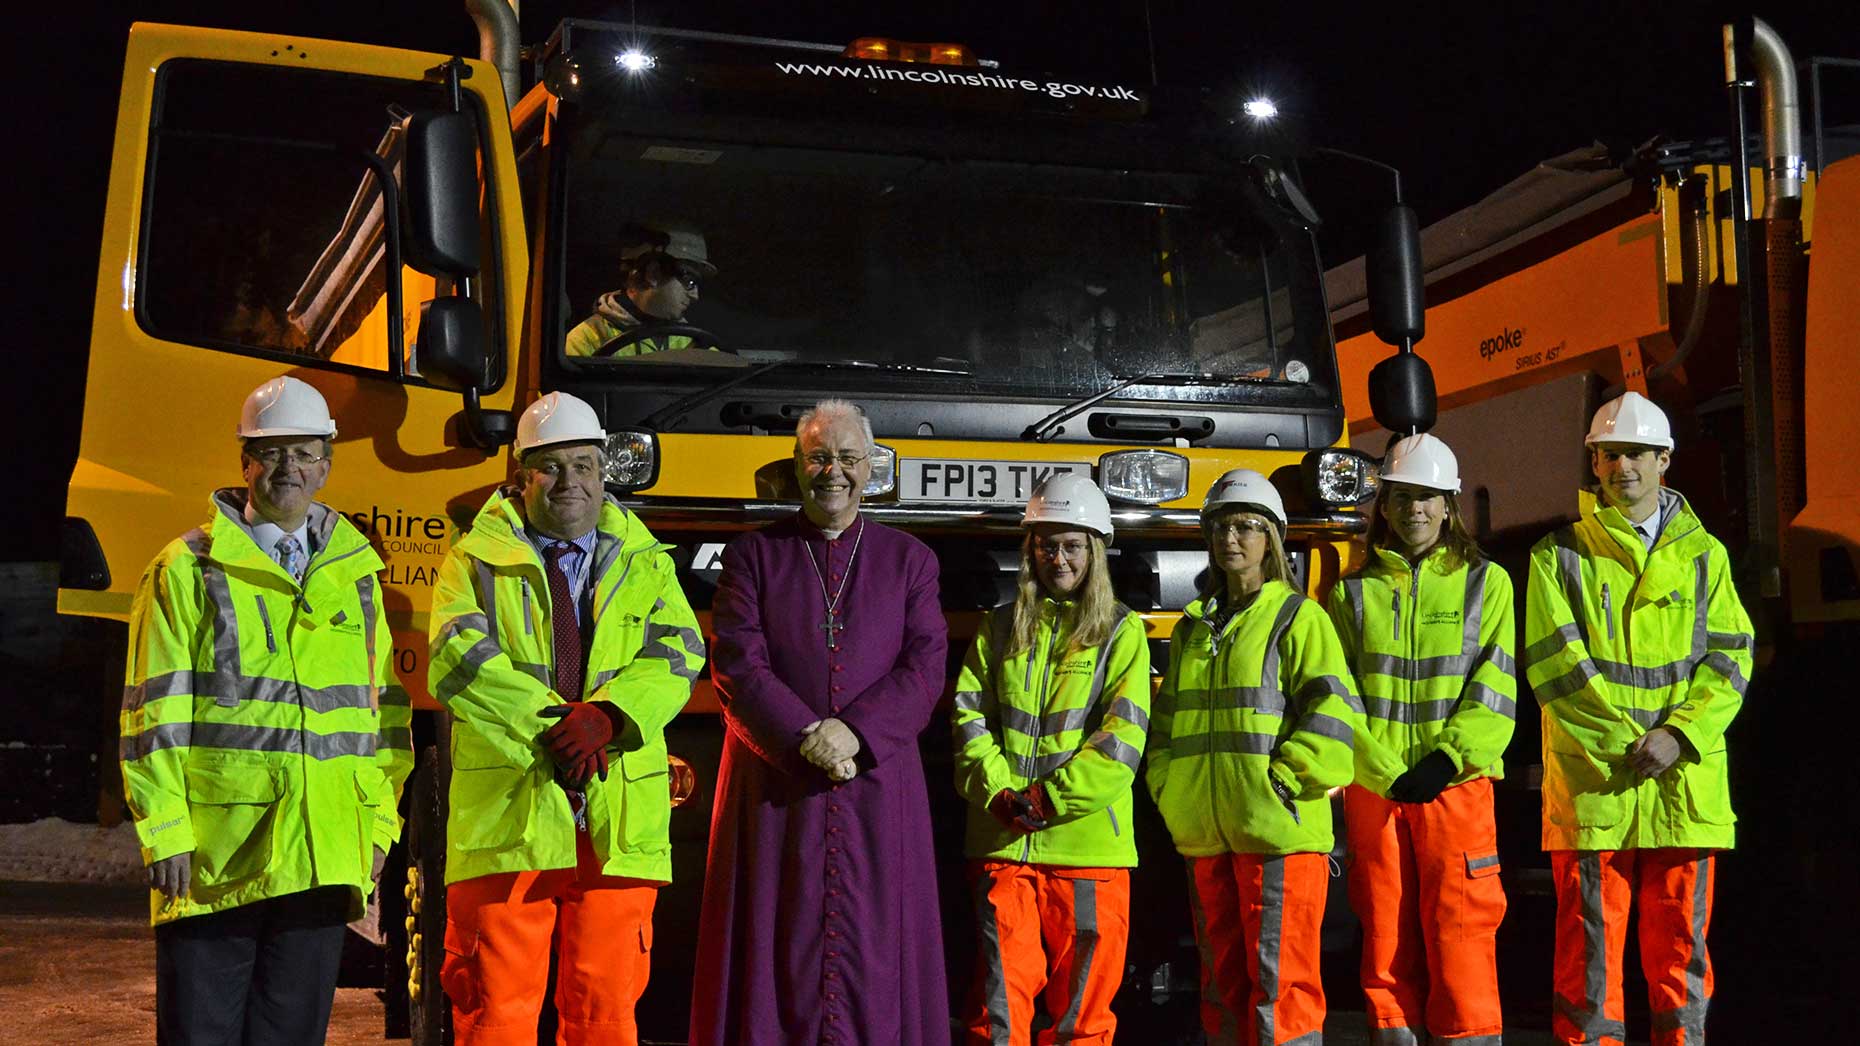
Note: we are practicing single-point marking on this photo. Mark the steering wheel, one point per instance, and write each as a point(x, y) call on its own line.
point(700, 338)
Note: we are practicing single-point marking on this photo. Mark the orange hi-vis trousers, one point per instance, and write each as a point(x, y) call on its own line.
point(1424, 881)
point(1594, 889)
point(1257, 922)
point(1051, 931)
point(498, 933)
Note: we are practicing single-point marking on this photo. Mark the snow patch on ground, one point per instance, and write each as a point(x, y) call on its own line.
point(57, 851)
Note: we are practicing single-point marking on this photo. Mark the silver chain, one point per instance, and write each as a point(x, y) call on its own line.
point(832, 604)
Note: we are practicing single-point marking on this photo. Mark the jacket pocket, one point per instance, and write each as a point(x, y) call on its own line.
point(1708, 789)
point(645, 812)
point(235, 813)
point(1577, 795)
point(1481, 901)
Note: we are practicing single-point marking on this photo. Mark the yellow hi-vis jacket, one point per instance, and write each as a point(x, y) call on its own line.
point(1619, 640)
point(1268, 699)
point(493, 662)
point(262, 729)
point(1068, 718)
point(1431, 647)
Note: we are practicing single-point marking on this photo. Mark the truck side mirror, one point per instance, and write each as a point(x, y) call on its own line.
point(450, 345)
point(442, 195)
point(1397, 291)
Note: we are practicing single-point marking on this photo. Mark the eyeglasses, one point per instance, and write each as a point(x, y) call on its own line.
point(819, 460)
point(1055, 549)
point(1238, 528)
point(689, 279)
point(271, 456)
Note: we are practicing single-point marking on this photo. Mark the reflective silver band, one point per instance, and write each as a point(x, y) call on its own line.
point(251, 739)
point(1222, 741)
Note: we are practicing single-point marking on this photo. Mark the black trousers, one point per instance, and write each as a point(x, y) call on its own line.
point(255, 975)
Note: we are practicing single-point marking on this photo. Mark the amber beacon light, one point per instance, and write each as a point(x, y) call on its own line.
point(885, 49)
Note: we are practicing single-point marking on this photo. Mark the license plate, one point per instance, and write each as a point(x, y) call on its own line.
point(977, 482)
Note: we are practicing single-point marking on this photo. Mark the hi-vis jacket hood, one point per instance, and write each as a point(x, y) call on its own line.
point(1073, 720)
point(493, 660)
point(262, 730)
point(1619, 640)
point(1268, 698)
point(1431, 647)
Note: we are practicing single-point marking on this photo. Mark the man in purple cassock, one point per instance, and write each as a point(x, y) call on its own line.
point(820, 920)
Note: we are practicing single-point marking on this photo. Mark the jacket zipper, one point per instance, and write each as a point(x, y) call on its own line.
point(264, 615)
point(1608, 611)
point(1052, 636)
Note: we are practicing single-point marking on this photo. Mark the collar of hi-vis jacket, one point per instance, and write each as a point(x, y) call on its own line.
point(1270, 595)
point(331, 543)
point(497, 535)
point(1681, 523)
point(1389, 562)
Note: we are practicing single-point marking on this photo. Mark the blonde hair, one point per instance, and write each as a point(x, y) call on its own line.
point(1275, 568)
point(1092, 614)
point(1461, 549)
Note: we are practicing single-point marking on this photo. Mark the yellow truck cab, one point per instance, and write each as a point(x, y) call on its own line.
point(1013, 275)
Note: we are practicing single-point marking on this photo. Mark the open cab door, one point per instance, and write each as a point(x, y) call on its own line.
point(271, 211)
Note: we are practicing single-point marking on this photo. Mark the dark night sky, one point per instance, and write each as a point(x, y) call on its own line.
point(1461, 97)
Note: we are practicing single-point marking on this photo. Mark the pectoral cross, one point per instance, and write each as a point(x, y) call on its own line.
point(832, 626)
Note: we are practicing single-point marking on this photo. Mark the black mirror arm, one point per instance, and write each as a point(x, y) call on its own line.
point(1343, 154)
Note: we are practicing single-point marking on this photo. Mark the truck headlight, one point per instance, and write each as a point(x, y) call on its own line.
point(1147, 477)
point(1341, 478)
point(632, 459)
point(884, 472)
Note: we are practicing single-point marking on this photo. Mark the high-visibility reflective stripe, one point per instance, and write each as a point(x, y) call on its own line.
point(1473, 608)
point(285, 691)
point(969, 730)
point(994, 980)
point(1393, 1037)
point(1552, 644)
point(1473, 864)
point(1729, 641)
point(1271, 928)
point(1589, 1015)
point(1417, 669)
point(226, 659)
point(1474, 1040)
point(540, 673)
point(1646, 717)
point(249, 738)
point(1127, 710)
point(1690, 1017)
point(1084, 949)
point(394, 695)
point(486, 584)
point(1222, 741)
point(154, 688)
point(1040, 766)
point(1499, 658)
point(1049, 725)
point(319, 563)
point(1479, 693)
point(1569, 564)
point(969, 700)
point(1721, 663)
point(1353, 594)
point(1229, 1030)
point(1310, 1038)
point(466, 670)
point(1652, 677)
point(1269, 665)
point(1115, 748)
point(656, 645)
point(365, 592)
point(1568, 683)
point(1409, 711)
point(606, 547)
point(397, 737)
point(621, 580)
point(1331, 686)
point(601, 679)
point(1328, 726)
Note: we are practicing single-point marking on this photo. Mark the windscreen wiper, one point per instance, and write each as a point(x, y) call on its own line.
point(1044, 429)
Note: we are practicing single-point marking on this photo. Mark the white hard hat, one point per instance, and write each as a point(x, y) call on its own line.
point(1072, 499)
point(1631, 419)
point(558, 418)
point(687, 245)
point(285, 407)
point(1424, 461)
point(1244, 488)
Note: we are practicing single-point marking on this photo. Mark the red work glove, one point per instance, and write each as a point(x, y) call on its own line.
point(575, 778)
point(582, 733)
point(1005, 807)
point(1038, 811)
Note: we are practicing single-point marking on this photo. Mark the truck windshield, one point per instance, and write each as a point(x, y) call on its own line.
point(981, 277)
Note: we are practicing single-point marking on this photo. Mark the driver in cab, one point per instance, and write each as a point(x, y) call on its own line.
point(660, 286)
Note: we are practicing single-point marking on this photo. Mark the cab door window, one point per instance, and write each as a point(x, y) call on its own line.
point(271, 216)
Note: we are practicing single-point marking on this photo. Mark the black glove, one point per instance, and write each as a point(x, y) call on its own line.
point(1425, 782)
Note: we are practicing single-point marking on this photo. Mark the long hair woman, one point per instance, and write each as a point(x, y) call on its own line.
point(1427, 626)
point(1051, 711)
point(1252, 727)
